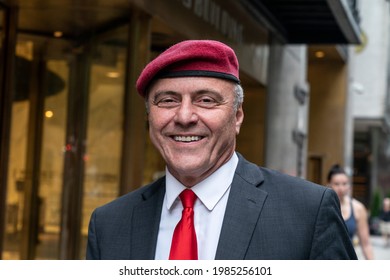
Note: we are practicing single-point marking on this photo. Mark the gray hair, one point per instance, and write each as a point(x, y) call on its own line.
point(238, 98)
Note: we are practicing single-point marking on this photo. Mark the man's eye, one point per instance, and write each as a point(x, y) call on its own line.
point(207, 101)
point(166, 102)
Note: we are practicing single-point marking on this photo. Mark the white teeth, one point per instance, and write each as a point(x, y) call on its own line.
point(186, 138)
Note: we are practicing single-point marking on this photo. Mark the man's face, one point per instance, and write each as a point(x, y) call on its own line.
point(193, 124)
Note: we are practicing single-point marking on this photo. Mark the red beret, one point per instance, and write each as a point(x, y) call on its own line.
point(191, 58)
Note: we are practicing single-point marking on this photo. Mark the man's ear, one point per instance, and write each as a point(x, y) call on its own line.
point(239, 118)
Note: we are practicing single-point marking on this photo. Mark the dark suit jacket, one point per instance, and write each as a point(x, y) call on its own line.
point(269, 215)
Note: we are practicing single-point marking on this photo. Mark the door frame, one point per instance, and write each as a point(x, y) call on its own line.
point(6, 97)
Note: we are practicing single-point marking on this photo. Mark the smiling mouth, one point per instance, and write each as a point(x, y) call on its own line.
point(187, 139)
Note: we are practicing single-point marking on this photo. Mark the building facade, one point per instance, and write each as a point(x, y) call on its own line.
point(74, 131)
point(371, 105)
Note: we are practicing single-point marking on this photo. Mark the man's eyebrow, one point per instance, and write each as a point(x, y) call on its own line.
point(215, 94)
point(164, 92)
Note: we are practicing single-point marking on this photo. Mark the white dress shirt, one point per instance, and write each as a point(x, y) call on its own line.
point(209, 210)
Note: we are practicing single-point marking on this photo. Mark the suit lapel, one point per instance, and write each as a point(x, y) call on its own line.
point(243, 209)
point(145, 221)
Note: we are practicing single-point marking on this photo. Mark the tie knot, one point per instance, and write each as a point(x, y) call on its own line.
point(188, 198)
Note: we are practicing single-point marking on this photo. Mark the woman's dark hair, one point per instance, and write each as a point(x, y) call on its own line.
point(335, 169)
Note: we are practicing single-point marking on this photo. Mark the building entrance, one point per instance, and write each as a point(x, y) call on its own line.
point(65, 141)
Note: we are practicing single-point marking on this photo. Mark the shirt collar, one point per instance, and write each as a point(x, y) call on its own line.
point(210, 190)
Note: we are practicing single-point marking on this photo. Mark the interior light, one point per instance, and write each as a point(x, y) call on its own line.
point(49, 114)
point(319, 54)
point(58, 34)
point(113, 74)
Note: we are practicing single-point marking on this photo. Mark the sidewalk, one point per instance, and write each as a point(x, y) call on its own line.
point(380, 251)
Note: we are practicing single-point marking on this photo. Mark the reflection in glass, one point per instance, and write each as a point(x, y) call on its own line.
point(50, 189)
point(50, 183)
point(16, 179)
point(16, 166)
point(104, 132)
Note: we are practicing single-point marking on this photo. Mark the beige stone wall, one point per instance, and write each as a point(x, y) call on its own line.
point(250, 141)
point(328, 91)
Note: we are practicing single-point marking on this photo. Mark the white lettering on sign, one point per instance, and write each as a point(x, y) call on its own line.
point(221, 20)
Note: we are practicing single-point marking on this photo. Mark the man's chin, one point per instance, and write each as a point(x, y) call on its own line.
point(188, 166)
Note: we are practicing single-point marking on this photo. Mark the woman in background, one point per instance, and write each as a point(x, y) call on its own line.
point(353, 211)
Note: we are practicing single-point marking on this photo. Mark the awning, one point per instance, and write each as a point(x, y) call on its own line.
point(309, 21)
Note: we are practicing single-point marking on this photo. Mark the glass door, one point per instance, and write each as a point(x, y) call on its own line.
point(33, 202)
point(52, 160)
point(57, 173)
point(66, 139)
point(17, 160)
point(105, 124)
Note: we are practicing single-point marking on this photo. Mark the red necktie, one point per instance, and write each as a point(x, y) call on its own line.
point(184, 245)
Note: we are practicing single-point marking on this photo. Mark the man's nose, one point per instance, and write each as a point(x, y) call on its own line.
point(186, 113)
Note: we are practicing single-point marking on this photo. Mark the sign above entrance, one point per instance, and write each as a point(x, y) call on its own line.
point(224, 20)
point(212, 13)
point(227, 21)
